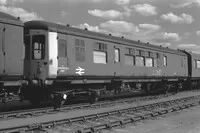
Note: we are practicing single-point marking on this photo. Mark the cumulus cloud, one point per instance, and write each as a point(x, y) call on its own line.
point(198, 33)
point(119, 26)
point(186, 3)
point(173, 36)
point(145, 9)
point(183, 18)
point(165, 37)
point(105, 14)
point(149, 26)
point(90, 28)
point(190, 47)
point(4, 2)
point(20, 12)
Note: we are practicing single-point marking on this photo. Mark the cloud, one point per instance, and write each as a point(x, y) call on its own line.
point(190, 47)
point(165, 37)
point(20, 12)
point(186, 3)
point(64, 13)
point(173, 36)
point(149, 26)
point(4, 2)
point(186, 45)
point(119, 26)
point(145, 9)
point(105, 14)
point(122, 2)
point(198, 33)
point(183, 18)
point(90, 28)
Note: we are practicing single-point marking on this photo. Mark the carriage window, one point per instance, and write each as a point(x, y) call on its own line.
point(139, 61)
point(198, 64)
point(38, 43)
point(165, 61)
point(129, 56)
point(27, 46)
point(80, 50)
point(62, 48)
point(99, 57)
point(129, 60)
point(117, 55)
point(100, 53)
point(149, 62)
point(157, 60)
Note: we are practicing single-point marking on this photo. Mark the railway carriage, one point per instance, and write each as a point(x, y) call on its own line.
point(62, 61)
point(193, 69)
point(11, 56)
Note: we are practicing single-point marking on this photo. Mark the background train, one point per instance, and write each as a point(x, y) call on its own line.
point(57, 62)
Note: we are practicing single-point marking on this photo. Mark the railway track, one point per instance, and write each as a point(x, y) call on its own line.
point(105, 120)
point(50, 110)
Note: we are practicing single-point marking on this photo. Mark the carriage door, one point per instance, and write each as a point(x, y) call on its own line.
point(2, 58)
point(62, 55)
point(38, 64)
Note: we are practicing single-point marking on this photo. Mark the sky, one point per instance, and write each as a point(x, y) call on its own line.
point(169, 23)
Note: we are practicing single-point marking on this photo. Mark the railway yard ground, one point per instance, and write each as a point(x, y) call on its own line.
point(172, 121)
point(185, 121)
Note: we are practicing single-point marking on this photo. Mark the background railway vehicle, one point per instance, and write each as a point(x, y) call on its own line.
point(62, 62)
point(11, 56)
point(193, 70)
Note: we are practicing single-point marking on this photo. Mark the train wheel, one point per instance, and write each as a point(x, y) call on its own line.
point(94, 98)
point(57, 100)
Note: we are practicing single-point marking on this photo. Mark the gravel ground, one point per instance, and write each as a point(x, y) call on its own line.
point(66, 115)
point(186, 121)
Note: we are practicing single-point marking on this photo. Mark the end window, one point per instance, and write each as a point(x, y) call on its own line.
point(38, 43)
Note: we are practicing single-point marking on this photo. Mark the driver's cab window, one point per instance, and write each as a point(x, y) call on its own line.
point(38, 43)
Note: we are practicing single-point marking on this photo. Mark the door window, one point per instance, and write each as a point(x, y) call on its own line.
point(38, 43)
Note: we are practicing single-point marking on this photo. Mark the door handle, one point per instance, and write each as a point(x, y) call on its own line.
point(45, 63)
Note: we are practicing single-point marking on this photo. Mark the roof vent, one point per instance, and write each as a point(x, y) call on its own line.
point(110, 34)
point(160, 46)
point(86, 29)
point(147, 42)
point(68, 25)
point(18, 18)
point(138, 40)
point(122, 37)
